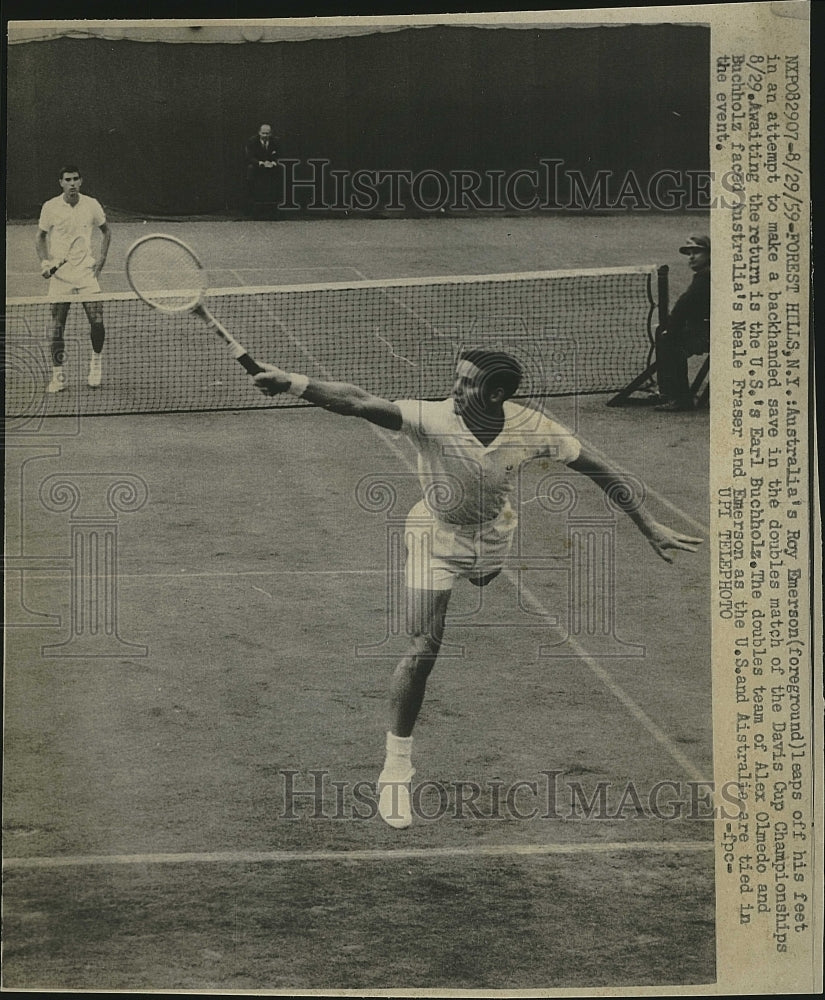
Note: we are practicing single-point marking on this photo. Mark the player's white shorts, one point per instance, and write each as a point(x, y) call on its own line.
point(439, 553)
point(73, 284)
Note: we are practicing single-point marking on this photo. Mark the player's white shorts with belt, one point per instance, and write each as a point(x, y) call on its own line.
point(73, 284)
point(439, 553)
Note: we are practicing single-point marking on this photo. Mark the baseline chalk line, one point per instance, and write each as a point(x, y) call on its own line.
point(398, 854)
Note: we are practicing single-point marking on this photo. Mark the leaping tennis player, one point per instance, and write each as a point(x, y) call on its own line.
point(470, 448)
point(64, 246)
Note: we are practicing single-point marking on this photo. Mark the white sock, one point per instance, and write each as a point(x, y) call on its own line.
point(399, 753)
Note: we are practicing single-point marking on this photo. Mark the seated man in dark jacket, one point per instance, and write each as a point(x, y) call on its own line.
point(261, 158)
point(688, 329)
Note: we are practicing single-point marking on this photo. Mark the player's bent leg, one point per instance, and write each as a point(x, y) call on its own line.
point(59, 312)
point(426, 610)
point(57, 346)
point(94, 312)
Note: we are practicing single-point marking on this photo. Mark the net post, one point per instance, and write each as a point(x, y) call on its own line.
point(659, 307)
point(662, 311)
point(662, 295)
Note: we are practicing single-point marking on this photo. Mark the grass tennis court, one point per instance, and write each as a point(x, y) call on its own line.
point(149, 843)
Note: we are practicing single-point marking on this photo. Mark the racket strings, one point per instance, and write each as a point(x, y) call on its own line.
point(166, 274)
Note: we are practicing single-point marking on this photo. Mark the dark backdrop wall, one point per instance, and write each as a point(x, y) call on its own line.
point(158, 128)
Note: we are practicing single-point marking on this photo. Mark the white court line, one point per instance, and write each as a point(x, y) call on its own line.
point(410, 312)
point(237, 272)
point(287, 270)
point(182, 574)
point(615, 689)
point(399, 854)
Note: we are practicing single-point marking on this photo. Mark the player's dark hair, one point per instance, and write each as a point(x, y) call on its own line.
point(69, 168)
point(500, 370)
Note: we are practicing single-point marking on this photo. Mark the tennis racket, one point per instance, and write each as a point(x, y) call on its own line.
point(75, 255)
point(169, 277)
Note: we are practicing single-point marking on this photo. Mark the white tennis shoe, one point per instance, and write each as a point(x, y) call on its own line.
point(95, 370)
point(58, 382)
point(395, 799)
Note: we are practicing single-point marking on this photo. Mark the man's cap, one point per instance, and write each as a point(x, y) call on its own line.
point(696, 243)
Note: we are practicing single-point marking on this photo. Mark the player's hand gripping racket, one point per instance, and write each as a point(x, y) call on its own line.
point(168, 276)
point(75, 255)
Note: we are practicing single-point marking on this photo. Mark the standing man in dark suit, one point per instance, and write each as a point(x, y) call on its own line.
point(261, 160)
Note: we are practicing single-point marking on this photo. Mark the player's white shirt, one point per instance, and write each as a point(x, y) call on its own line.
point(464, 482)
point(63, 222)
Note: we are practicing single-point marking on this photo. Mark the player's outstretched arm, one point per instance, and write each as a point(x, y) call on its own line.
point(338, 397)
point(626, 498)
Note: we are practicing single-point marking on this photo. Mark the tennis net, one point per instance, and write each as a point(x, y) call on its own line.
point(574, 331)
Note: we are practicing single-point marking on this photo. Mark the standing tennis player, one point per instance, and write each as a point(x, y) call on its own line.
point(64, 246)
point(470, 447)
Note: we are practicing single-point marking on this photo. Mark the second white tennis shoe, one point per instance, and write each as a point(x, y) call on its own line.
point(95, 371)
point(58, 382)
point(394, 798)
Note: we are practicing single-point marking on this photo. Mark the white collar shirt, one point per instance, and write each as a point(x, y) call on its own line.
point(63, 222)
point(464, 482)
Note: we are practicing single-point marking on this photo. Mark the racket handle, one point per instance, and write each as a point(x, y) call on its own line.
point(238, 352)
point(249, 364)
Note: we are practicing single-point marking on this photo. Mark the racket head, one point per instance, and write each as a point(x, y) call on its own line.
point(166, 273)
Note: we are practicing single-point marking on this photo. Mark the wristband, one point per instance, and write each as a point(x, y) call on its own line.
point(297, 384)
